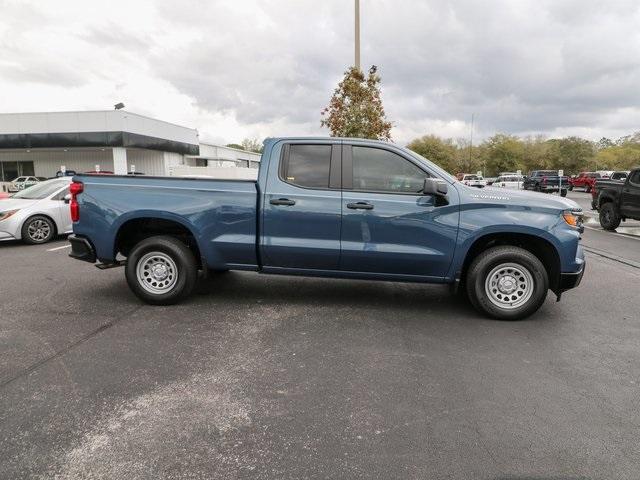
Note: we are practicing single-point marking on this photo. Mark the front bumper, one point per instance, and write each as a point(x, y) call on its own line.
point(571, 280)
point(6, 236)
point(81, 249)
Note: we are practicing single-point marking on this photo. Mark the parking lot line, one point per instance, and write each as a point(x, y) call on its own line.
point(58, 248)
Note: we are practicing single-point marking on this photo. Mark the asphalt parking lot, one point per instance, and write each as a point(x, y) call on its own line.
point(281, 377)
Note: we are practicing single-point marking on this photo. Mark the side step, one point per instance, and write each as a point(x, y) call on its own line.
point(106, 266)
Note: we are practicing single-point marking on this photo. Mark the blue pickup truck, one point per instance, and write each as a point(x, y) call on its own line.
point(332, 207)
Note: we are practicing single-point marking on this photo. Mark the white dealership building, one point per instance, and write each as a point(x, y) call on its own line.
point(40, 144)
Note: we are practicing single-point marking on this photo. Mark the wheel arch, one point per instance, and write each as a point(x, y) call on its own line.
point(135, 229)
point(541, 247)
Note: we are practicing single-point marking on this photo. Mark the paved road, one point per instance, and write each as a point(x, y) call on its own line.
point(276, 377)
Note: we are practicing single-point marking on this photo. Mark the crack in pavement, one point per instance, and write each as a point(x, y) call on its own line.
point(32, 368)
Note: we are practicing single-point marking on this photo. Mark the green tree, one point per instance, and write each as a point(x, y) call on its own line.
point(442, 152)
point(571, 154)
point(248, 144)
point(237, 146)
point(355, 109)
point(503, 153)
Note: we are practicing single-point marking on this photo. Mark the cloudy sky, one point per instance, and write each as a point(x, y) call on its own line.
point(256, 68)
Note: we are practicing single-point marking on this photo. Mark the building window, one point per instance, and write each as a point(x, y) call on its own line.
point(11, 170)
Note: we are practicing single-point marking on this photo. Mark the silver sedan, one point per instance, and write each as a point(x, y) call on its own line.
point(38, 213)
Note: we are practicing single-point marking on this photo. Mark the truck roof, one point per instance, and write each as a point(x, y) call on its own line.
point(319, 138)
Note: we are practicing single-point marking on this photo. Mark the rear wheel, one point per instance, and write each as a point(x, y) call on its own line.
point(571, 188)
point(507, 283)
point(38, 229)
point(563, 193)
point(161, 270)
point(609, 217)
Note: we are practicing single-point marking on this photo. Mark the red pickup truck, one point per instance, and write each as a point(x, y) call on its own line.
point(584, 180)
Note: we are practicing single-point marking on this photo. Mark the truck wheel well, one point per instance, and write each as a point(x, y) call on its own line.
point(134, 231)
point(604, 200)
point(540, 247)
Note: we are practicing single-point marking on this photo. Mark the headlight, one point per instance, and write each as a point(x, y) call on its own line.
point(573, 217)
point(7, 214)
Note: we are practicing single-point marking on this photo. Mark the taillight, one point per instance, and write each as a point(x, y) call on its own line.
point(74, 189)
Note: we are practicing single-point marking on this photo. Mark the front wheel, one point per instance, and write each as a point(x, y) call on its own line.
point(587, 189)
point(571, 188)
point(161, 270)
point(38, 229)
point(563, 193)
point(507, 283)
point(609, 217)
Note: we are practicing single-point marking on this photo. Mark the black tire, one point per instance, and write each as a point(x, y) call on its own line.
point(538, 188)
point(563, 193)
point(609, 217)
point(587, 189)
point(571, 188)
point(516, 259)
point(37, 230)
point(173, 259)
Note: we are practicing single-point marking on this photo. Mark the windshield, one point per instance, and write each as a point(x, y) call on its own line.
point(40, 191)
point(472, 177)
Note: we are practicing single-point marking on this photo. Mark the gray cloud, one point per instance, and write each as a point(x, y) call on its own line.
point(521, 66)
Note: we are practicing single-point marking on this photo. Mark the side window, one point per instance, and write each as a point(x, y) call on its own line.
point(308, 166)
point(635, 178)
point(378, 170)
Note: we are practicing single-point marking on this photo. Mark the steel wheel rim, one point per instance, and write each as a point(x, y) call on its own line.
point(157, 273)
point(39, 230)
point(509, 285)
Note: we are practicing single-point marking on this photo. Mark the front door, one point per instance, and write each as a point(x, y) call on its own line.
point(630, 197)
point(302, 208)
point(388, 225)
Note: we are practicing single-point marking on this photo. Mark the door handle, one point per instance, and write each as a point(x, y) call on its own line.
point(282, 201)
point(360, 206)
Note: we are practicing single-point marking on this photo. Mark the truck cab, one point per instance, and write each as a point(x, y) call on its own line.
point(618, 200)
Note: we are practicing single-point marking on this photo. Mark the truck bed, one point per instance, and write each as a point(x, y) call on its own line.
point(220, 214)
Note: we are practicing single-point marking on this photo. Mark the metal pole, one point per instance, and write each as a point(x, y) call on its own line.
point(357, 33)
point(471, 142)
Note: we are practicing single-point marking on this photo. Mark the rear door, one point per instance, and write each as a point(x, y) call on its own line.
point(388, 225)
point(302, 208)
point(630, 197)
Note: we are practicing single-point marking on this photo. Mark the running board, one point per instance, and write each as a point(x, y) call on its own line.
point(106, 266)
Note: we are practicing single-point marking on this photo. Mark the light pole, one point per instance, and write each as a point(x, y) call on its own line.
point(357, 33)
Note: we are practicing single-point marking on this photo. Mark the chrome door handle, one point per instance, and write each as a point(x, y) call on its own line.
point(282, 201)
point(360, 206)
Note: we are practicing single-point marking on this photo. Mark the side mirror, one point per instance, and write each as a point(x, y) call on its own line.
point(67, 198)
point(434, 187)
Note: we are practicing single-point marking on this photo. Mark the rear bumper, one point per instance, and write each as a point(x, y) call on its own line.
point(81, 249)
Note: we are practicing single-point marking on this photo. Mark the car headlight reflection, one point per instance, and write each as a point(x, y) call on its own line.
point(7, 214)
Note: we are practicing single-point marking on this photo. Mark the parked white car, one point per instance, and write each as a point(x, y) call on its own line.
point(509, 181)
point(38, 213)
point(474, 180)
point(21, 183)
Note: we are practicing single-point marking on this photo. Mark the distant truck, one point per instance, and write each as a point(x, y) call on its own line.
point(546, 181)
point(472, 180)
point(619, 176)
point(331, 207)
point(584, 180)
point(618, 200)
